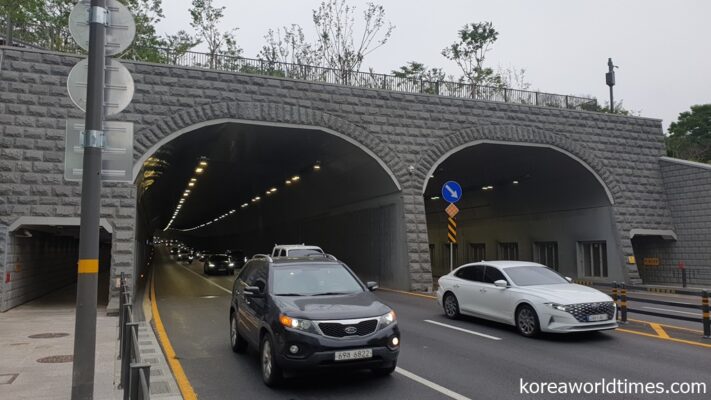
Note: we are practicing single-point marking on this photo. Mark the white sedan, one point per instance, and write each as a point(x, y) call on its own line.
point(530, 296)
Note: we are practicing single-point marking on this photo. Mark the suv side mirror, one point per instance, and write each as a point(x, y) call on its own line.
point(372, 285)
point(501, 283)
point(253, 291)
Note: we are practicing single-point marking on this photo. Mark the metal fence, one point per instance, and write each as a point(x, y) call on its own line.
point(620, 294)
point(135, 374)
point(60, 41)
point(681, 276)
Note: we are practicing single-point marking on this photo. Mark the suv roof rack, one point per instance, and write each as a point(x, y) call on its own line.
point(264, 256)
point(325, 255)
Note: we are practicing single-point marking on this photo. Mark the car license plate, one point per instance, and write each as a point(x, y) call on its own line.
point(598, 317)
point(353, 354)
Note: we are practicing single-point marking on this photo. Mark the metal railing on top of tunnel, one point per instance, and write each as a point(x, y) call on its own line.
point(135, 374)
point(27, 35)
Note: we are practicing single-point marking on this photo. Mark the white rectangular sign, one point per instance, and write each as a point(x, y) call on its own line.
point(116, 156)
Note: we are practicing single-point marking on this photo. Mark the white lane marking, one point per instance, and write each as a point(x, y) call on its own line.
point(208, 281)
point(431, 385)
point(696, 314)
point(456, 328)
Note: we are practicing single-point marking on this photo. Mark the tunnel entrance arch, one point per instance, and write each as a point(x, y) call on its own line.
point(359, 227)
point(532, 196)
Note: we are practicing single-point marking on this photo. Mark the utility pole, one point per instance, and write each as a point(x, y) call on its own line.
point(88, 266)
point(610, 80)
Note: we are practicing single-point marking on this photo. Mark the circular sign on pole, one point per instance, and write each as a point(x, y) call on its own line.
point(118, 89)
point(120, 30)
point(451, 192)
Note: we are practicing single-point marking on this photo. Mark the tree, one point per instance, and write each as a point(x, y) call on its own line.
point(337, 47)
point(513, 78)
point(146, 14)
point(177, 45)
point(287, 45)
point(205, 20)
point(469, 53)
point(424, 79)
point(690, 136)
point(619, 108)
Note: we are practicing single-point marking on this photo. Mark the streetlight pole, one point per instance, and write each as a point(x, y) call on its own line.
point(88, 266)
point(610, 80)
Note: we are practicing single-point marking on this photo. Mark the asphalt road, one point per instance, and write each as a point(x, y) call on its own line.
point(480, 360)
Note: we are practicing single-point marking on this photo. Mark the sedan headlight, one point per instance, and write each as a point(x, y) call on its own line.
point(387, 319)
point(559, 307)
point(232, 264)
point(211, 264)
point(297, 323)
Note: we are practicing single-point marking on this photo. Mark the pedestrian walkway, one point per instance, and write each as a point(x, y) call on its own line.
point(37, 342)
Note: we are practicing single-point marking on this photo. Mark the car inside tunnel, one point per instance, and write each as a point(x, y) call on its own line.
point(244, 188)
point(523, 203)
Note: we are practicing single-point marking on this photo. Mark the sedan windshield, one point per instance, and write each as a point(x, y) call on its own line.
point(313, 280)
point(531, 275)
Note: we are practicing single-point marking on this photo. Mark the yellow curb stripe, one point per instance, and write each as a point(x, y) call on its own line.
point(427, 296)
point(183, 383)
point(666, 325)
point(88, 266)
point(708, 346)
point(660, 331)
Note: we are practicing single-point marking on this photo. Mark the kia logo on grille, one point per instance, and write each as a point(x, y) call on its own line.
point(351, 330)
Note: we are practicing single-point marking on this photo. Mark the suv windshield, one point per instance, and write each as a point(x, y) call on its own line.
point(531, 275)
point(313, 280)
point(304, 252)
point(219, 258)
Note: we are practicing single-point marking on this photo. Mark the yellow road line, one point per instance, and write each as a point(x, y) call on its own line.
point(660, 331)
point(183, 384)
point(427, 296)
point(666, 325)
point(708, 346)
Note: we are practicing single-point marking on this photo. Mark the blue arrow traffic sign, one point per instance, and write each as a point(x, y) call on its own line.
point(451, 192)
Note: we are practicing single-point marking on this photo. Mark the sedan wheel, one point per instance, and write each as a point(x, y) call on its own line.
point(271, 373)
point(451, 306)
point(527, 321)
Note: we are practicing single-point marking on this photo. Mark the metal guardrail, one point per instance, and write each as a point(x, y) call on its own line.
point(620, 296)
point(27, 36)
point(682, 276)
point(135, 374)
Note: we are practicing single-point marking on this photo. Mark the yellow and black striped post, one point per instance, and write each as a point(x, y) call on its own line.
point(452, 230)
point(614, 297)
point(705, 310)
point(623, 303)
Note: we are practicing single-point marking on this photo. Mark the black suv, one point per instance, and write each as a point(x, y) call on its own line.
point(310, 313)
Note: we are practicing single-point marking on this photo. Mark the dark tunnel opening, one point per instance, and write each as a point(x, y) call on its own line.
point(254, 186)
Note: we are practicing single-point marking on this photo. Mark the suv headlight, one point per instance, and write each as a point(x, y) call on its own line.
point(387, 319)
point(297, 323)
point(232, 264)
point(559, 307)
point(211, 264)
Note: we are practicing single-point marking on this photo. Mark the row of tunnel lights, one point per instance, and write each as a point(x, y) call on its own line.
point(483, 188)
point(269, 192)
point(191, 185)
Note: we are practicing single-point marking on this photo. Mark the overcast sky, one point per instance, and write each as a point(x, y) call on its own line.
point(662, 48)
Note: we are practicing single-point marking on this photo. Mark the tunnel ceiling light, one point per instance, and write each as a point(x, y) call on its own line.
point(185, 194)
point(515, 182)
point(198, 170)
point(191, 184)
point(193, 179)
point(203, 163)
point(288, 182)
point(317, 167)
point(295, 178)
point(245, 205)
point(272, 190)
point(233, 211)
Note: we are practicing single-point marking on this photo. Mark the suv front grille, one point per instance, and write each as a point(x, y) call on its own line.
point(339, 330)
point(583, 310)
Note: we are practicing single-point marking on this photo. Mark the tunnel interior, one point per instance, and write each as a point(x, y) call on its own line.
point(523, 203)
point(253, 186)
point(43, 259)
